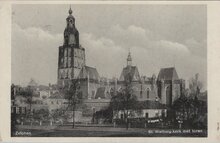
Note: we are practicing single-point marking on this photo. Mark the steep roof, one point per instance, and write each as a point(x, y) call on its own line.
point(100, 93)
point(90, 72)
point(133, 70)
point(32, 83)
point(168, 74)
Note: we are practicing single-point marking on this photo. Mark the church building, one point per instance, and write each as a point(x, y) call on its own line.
point(97, 91)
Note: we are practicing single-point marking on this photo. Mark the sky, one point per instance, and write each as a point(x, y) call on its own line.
point(158, 36)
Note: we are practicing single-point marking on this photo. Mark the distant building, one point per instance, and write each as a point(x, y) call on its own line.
point(56, 101)
point(43, 97)
point(146, 109)
point(19, 105)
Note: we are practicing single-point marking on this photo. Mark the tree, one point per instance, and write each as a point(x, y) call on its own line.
point(28, 93)
point(13, 113)
point(40, 115)
point(59, 114)
point(181, 106)
point(13, 89)
point(73, 96)
point(125, 100)
point(195, 86)
point(106, 114)
point(186, 109)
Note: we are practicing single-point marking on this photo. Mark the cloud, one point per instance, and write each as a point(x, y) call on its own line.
point(34, 54)
point(136, 36)
point(197, 48)
point(103, 54)
point(109, 53)
point(137, 30)
point(173, 47)
point(130, 36)
point(35, 32)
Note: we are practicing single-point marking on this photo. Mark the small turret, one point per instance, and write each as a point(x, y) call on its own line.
point(129, 60)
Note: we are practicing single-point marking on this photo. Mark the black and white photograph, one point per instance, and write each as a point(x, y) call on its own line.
point(109, 70)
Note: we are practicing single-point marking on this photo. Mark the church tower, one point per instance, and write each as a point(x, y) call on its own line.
point(71, 54)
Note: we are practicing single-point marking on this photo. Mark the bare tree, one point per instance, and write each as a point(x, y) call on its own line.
point(73, 96)
point(195, 85)
point(29, 96)
point(125, 100)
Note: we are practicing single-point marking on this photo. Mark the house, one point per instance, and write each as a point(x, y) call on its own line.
point(144, 110)
point(56, 101)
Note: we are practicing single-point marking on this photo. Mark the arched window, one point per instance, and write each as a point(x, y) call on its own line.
point(65, 62)
point(141, 96)
point(148, 93)
point(65, 53)
point(69, 62)
point(69, 52)
point(66, 73)
point(168, 95)
point(141, 91)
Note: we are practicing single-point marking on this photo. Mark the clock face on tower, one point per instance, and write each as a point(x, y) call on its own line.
point(70, 23)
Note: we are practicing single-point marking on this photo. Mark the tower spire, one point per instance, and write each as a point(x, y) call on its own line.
point(129, 59)
point(70, 10)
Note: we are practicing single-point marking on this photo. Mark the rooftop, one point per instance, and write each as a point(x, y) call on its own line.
point(89, 72)
point(133, 70)
point(168, 74)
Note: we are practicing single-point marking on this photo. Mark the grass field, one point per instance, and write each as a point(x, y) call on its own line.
point(68, 131)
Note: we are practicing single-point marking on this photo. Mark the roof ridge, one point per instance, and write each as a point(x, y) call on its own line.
point(90, 67)
point(168, 68)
